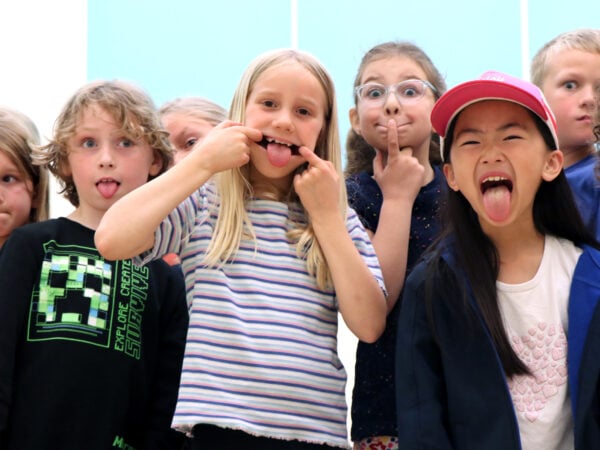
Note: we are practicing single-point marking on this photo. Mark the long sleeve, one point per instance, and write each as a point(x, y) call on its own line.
point(420, 391)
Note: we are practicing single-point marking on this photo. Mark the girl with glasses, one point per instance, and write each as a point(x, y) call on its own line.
point(394, 184)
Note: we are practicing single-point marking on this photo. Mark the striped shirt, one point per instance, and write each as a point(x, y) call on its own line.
point(261, 353)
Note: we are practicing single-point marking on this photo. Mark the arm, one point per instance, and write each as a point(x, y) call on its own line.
point(399, 180)
point(363, 309)
point(420, 388)
point(127, 228)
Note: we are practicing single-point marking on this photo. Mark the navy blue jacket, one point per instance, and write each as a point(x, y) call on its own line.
point(451, 390)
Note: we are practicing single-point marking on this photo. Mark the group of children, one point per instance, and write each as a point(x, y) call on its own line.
point(454, 246)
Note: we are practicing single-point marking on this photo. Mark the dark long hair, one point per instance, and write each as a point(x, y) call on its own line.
point(554, 213)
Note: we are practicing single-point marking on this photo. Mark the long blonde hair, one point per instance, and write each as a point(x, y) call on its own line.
point(234, 186)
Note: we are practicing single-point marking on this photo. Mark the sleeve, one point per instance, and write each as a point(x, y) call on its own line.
point(363, 243)
point(177, 227)
point(173, 325)
point(420, 388)
point(19, 268)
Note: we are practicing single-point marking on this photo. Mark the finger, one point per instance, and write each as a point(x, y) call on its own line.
point(310, 156)
point(392, 137)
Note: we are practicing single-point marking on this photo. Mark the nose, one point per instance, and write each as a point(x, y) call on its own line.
point(283, 121)
point(491, 154)
point(392, 106)
point(105, 156)
point(588, 96)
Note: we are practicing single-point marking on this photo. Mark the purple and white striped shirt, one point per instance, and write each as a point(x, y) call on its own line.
point(261, 352)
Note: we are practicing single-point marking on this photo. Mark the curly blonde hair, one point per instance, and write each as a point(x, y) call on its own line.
point(132, 110)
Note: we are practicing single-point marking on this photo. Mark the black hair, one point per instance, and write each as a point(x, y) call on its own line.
point(554, 213)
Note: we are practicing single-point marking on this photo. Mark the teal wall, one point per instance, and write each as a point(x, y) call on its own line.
point(196, 47)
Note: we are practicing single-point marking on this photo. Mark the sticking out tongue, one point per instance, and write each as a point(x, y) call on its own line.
point(279, 155)
point(496, 201)
point(107, 188)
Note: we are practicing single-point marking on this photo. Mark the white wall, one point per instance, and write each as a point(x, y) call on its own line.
point(43, 46)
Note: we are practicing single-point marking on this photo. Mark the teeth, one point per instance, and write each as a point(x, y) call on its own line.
point(271, 140)
point(494, 179)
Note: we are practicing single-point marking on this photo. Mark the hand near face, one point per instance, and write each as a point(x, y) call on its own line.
point(225, 147)
point(402, 175)
point(318, 186)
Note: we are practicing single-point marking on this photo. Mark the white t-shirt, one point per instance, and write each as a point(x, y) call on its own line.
point(535, 317)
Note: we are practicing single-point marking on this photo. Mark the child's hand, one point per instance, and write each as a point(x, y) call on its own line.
point(225, 147)
point(318, 186)
point(403, 175)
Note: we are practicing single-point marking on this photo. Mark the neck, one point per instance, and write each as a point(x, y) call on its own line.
point(575, 154)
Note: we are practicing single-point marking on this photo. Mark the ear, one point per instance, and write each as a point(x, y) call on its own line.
point(553, 166)
point(156, 165)
point(354, 120)
point(449, 174)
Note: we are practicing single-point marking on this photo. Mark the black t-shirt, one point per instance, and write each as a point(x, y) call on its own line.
point(91, 349)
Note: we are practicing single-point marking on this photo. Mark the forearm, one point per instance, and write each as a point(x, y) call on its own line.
point(127, 228)
point(390, 242)
point(364, 308)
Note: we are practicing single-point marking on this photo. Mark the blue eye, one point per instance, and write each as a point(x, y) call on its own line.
point(190, 142)
point(88, 143)
point(374, 91)
point(127, 143)
point(570, 85)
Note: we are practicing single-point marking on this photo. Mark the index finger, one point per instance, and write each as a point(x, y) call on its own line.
point(310, 156)
point(392, 139)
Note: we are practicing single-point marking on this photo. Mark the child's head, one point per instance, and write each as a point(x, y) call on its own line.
point(289, 96)
point(405, 70)
point(279, 75)
point(23, 185)
point(188, 120)
point(499, 145)
point(567, 70)
point(130, 109)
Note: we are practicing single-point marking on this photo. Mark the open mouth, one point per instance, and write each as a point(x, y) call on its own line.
point(494, 182)
point(266, 141)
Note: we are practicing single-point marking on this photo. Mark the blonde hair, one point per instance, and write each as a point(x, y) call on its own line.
point(234, 186)
point(132, 110)
point(18, 137)
point(584, 39)
point(359, 154)
point(198, 107)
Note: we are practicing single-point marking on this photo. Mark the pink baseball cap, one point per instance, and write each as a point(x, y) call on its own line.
point(490, 85)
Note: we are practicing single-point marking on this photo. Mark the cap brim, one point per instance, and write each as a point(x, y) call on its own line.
point(457, 99)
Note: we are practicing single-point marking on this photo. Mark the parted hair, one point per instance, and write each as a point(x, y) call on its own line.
point(132, 110)
point(18, 138)
point(198, 107)
point(234, 185)
point(359, 154)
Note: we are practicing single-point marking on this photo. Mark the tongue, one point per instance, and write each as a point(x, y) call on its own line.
point(496, 202)
point(278, 155)
point(108, 189)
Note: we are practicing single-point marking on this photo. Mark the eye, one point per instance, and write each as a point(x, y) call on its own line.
point(512, 136)
point(410, 90)
point(126, 143)
point(373, 91)
point(88, 143)
point(304, 112)
point(9, 179)
point(269, 103)
point(570, 85)
point(189, 143)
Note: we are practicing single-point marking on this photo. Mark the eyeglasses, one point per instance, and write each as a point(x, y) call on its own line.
point(406, 92)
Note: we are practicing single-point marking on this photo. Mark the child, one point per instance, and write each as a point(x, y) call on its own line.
point(488, 317)
point(188, 120)
point(92, 349)
point(567, 69)
point(23, 186)
point(270, 252)
point(390, 174)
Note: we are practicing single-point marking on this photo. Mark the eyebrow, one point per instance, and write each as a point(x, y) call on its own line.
point(377, 79)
